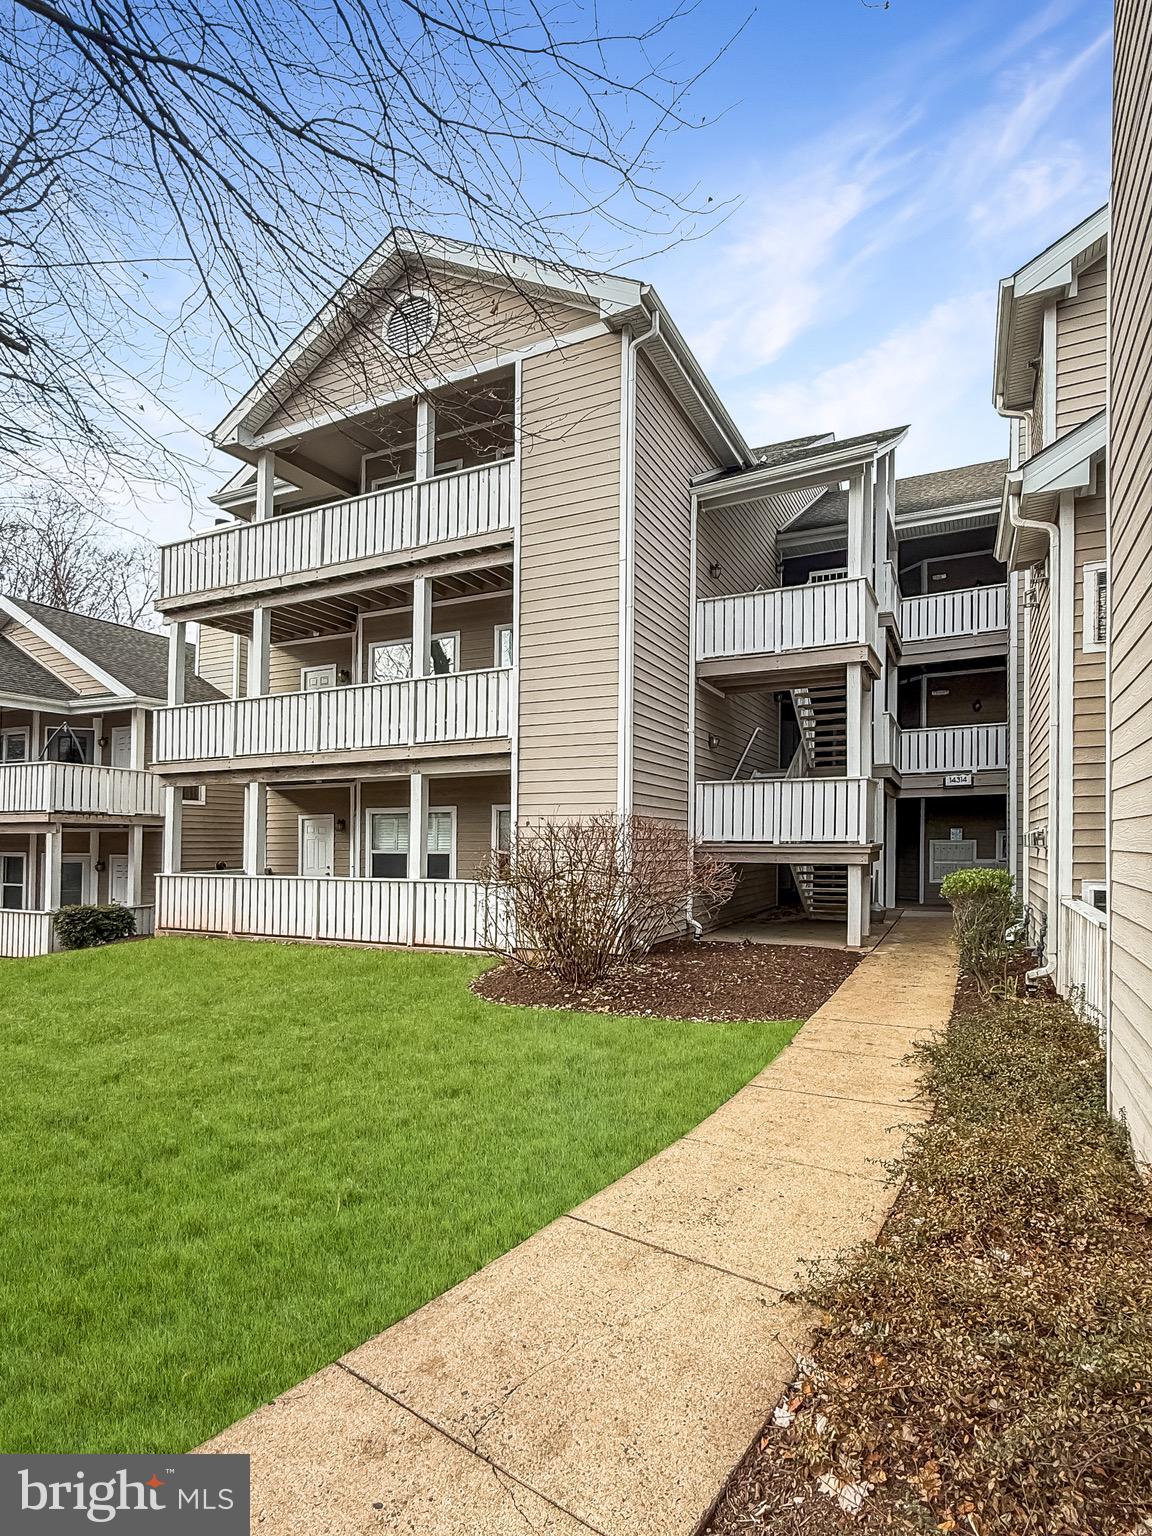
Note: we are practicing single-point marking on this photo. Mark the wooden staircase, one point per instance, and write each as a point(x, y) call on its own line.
point(823, 889)
point(822, 715)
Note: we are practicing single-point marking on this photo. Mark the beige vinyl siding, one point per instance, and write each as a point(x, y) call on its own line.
point(474, 622)
point(473, 797)
point(285, 808)
point(1130, 469)
point(478, 323)
point(214, 831)
point(222, 659)
point(1089, 724)
point(1081, 350)
point(668, 456)
point(52, 659)
point(1036, 794)
point(569, 581)
point(285, 662)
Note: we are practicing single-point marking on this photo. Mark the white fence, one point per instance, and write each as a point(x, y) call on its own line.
point(26, 933)
point(885, 739)
point(1082, 957)
point(454, 706)
point(79, 788)
point(888, 589)
point(942, 615)
point(467, 504)
point(787, 619)
point(954, 749)
point(442, 914)
point(787, 811)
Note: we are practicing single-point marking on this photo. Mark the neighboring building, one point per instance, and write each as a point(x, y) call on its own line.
point(1051, 381)
point(497, 552)
point(1129, 850)
point(80, 816)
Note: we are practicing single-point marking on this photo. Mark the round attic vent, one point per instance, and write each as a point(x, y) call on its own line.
point(411, 322)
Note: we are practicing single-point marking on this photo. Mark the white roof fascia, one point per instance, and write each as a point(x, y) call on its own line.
point(726, 433)
point(823, 468)
point(50, 637)
point(1066, 465)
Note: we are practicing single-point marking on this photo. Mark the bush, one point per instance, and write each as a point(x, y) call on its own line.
point(86, 927)
point(579, 897)
point(983, 908)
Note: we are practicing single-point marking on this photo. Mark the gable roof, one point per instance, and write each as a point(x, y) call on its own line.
point(22, 674)
point(135, 659)
point(775, 453)
point(943, 489)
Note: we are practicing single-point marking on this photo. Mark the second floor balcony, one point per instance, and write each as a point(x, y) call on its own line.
point(468, 507)
point(782, 621)
point(971, 614)
point(33, 791)
point(412, 712)
point(944, 749)
point(798, 812)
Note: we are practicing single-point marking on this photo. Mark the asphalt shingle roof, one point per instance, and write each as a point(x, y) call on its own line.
point(19, 673)
point(775, 453)
point(915, 494)
point(134, 657)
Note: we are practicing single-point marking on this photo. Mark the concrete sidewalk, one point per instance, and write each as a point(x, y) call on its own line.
point(607, 1374)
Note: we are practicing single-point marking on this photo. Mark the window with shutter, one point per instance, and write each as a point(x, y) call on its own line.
point(1095, 607)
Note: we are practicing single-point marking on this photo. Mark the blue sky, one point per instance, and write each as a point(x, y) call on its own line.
point(887, 168)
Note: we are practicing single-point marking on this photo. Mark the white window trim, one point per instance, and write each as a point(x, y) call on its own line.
point(1091, 576)
point(24, 869)
point(328, 666)
point(17, 730)
point(87, 892)
point(444, 634)
point(497, 811)
point(370, 482)
point(1089, 888)
point(401, 810)
point(497, 631)
point(1002, 844)
point(200, 797)
point(328, 816)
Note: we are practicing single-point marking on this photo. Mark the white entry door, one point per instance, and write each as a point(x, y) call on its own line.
point(118, 878)
point(317, 845)
point(121, 743)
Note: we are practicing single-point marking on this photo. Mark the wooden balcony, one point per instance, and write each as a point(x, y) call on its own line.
point(954, 749)
point(789, 814)
point(947, 624)
point(43, 791)
point(441, 914)
point(824, 623)
point(469, 507)
point(422, 711)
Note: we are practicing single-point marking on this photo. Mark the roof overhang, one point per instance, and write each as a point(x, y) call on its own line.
point(12, 609)
point(827, 464)
point(1023, 299)
point(1032, 492)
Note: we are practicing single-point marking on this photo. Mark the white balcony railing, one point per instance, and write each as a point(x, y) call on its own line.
point(954, 749)
point(26, 933)
point(468, 504)
point(443, 914)
point(787, 619)
point(888, 589)
point(1082, 957)
point(787, 811)
point(945, 615)
point(80, 789)
point(885, 739)
point(455, 706)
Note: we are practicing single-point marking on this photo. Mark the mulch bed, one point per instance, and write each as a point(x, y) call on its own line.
point(686, 980)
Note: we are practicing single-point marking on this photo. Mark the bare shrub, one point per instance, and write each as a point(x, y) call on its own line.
point(584, 895)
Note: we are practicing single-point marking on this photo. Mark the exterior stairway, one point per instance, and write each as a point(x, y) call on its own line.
point(823, 889)
point(822, 716)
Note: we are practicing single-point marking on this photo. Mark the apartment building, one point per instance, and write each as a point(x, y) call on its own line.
point(1051, 382)
point(495, 551)
point(1129, 839)
point(80, 816)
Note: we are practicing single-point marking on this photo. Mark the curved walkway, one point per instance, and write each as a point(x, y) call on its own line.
point(607, 1374)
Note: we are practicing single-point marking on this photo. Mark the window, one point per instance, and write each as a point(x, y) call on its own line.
point(14, 746)
point(391, 660)
point(192, 794)
point(1095, 607)
point(317, 677)
point(66, 744)
point(1001, 845)
point(388, 844)
point(502, 835)
point(836, 573)
point(1095, 893)
point(411, 319)
point(503, 648)
point(12, 882)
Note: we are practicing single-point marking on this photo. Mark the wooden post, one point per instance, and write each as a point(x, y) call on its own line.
point(418, 827)
point(425, 440)
point(176, 652)
point(856, 515)
point(421, 627)
point(255, 828)
point(139, 734)
point(135, 864)
point(53, 852)
point(258, 652)
point(857, 724)
point(889, 855)
point(856, 903)
point(265, 485)
point(173, 829)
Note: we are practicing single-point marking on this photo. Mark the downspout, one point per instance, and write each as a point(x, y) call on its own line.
point(1052, 532)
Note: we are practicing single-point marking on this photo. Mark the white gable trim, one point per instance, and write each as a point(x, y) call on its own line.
point(50, 637)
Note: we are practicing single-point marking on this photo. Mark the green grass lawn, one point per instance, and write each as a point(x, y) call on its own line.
point(225, 1163)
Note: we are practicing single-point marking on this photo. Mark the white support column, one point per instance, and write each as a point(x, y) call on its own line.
point(53, 852)
point(857, 899)
point(355, 829)
point(418, 827)
point(882, 510)
point(421, 627)
point(135, 864)
point(139, 726)
point(258, 652)
point(425, 440)
point(97, 734)
point(173, 830)
point(93, 858)
point(255, 828)
point(865, 901)
point(888, 886)
point(33, 734)
point(857, 563)
point(265, 485)
point(858, 723)
point(176, 643)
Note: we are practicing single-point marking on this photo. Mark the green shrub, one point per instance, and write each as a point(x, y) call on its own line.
point(983, 908)
point(85, 927)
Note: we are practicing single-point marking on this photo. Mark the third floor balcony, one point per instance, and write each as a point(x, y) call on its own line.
point(839, 618)
point(471, 508)
point(977, 617)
